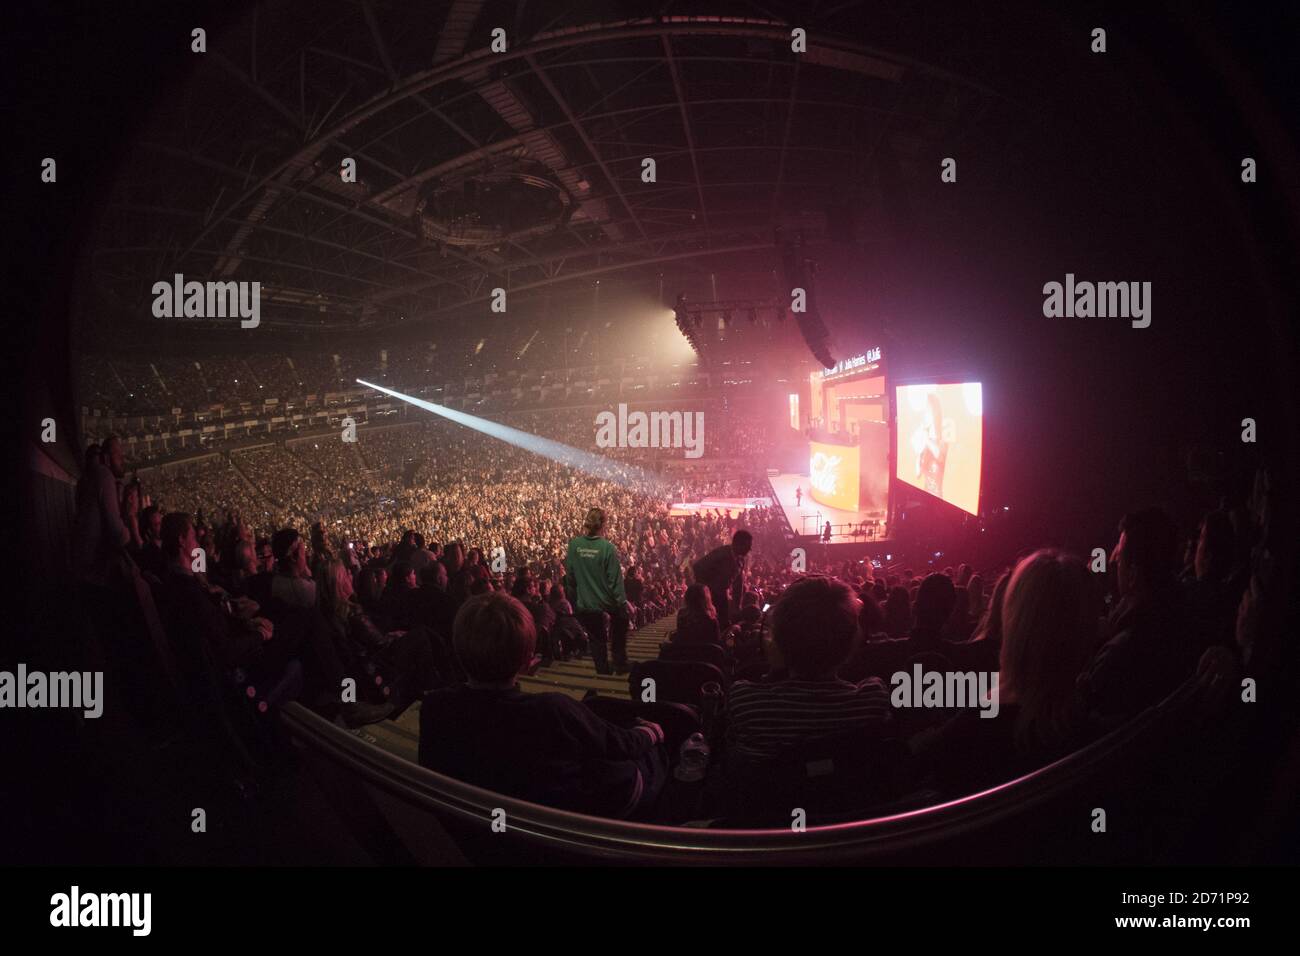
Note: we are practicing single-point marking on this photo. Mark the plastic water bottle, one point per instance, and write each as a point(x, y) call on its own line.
point(693, 761)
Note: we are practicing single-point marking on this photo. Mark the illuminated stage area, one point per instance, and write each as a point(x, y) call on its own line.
point(810, 517)
point(724, 505)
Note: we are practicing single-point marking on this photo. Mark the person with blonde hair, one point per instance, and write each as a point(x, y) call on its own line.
point(1050, 620)
point(697, 621)
point(406, 657)
point(1051, 625)
point(593, 582)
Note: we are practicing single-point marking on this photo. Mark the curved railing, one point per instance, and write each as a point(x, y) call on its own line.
point(548, 834)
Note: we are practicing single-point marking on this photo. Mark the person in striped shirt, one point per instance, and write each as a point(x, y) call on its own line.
point(814, 630)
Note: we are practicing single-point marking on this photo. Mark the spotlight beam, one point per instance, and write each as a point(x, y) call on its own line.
point(598, 466)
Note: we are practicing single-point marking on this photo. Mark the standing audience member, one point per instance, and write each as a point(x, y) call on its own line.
point(100, 536)
point(593, 580)
point(722, 571)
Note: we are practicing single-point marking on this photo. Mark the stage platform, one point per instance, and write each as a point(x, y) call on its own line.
point(810, 517)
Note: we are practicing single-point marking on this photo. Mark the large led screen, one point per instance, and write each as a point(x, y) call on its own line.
point(941, 441)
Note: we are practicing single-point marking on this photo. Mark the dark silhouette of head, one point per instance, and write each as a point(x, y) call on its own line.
point(934, 602)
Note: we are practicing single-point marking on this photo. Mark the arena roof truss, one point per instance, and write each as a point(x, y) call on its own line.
point(520, 169)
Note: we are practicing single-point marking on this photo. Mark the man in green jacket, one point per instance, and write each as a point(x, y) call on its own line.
point(593, 583)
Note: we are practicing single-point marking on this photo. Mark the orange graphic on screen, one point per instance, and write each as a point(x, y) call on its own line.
point(833, 471)
point(940, 441)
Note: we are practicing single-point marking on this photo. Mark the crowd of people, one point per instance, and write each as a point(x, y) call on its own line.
point(423, 475)
point(509, 514)
point(1071, 652)
point(491, 561)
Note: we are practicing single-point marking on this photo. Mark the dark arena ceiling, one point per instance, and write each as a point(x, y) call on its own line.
point(520, 169)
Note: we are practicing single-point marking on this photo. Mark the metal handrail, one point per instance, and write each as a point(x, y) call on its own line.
point(624, 841)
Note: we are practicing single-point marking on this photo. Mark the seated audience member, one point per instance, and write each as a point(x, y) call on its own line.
point(976, 599)
point(212, 641)
point(406, 547)
point(421, 557)
point(546, 748)
point(458, 576)
point(130, 505)
point(959, 625)
point(749, 633)
point(567, 632)
point(480, 579)
point(697, 621)
point(369, 593)
point(1150, 647)
point(525, 590)
point(407, 658)
point(931, 612)
point(934, 603)
point(431, 605)
point(1050, 627)
point(749, 615)
point(1217, 581)
point(871, 627)
point(814, 630)
point(243, 571)
point(985, 646)
point(291, 584)
point(434, 576)
point(634, 589)
point(400, 600)
point(321, 554)
point(197, 628)
point(284, 632)
point(898, 613)
point(265, 556)
point(150, 557)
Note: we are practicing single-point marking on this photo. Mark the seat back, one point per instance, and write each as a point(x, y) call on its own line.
point(753, 671)
point(706, 653)
point(679, 682)
point(830, 778)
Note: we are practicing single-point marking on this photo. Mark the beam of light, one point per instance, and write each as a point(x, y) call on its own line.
point(628, 476)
